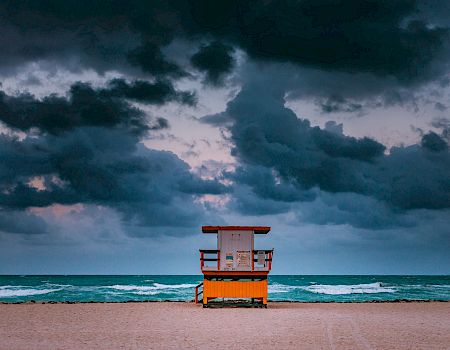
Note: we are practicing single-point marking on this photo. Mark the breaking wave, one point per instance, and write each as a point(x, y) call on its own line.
point(281, 288)
point(343, 289)
point(339, 289)
point(18, 292)
point(150, 290)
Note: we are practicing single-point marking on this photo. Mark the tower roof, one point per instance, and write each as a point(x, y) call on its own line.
point(255, 229)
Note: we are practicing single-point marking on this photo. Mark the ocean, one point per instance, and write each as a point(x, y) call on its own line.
point(181, 288)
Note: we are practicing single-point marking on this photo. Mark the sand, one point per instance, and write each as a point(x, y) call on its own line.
point(188, 326)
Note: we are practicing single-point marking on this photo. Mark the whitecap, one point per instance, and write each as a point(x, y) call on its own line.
point(343, 289)
point(174, 286)
point(11, 286)
point(11, 293)
point(149, 292)
point(281, 288)
point(154, 287)
point(438, 285)
point(130, 288)
point(59, 285)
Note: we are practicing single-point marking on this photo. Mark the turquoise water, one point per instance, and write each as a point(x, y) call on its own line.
point(292, 288)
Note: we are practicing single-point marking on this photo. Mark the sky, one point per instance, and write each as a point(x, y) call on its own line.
point(126, 126)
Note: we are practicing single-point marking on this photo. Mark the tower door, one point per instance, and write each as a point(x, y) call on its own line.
point(235, 250)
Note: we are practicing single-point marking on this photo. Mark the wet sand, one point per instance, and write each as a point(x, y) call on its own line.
point(165, 325)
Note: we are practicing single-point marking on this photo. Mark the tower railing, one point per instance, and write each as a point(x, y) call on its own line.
point(261, 259)
point(198, 292)
point(204, 252)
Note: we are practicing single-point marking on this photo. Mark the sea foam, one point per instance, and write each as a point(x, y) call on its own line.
point(342, 289)
point(14, 292)
point(281, 288)
point(148, 290)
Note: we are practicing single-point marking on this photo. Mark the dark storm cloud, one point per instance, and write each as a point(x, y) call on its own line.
point(161, 123)
point(258, 191)
point(150, 58)
point(103, 35)
point(87, 106)
point(245, 202)
point(367, 50)
point(158, 92)
point(434, 142)
point(412, 177)
point(353, 209)
point(285, 159)
point(89, 165)
point(84, 106)
point(268, 134)
point(357, 36)
point(337, 103)
point(323, 208)
point(216, 60)
point(380, 37)
point(74, 35)
point(267, 186)
point(86, 149)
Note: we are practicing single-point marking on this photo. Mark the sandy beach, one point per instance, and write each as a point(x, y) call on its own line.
point(164, 325)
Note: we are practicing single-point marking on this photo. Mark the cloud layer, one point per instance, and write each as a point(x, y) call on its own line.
point(85, 145)
point(86, 149)
point(355, 36)
point(284, 159)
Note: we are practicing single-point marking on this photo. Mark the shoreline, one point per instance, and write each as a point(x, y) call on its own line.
point(191, 301)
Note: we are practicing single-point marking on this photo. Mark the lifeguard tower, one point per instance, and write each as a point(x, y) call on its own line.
point(235, 269)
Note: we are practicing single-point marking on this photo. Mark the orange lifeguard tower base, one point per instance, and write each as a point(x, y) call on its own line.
point(235, 269)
